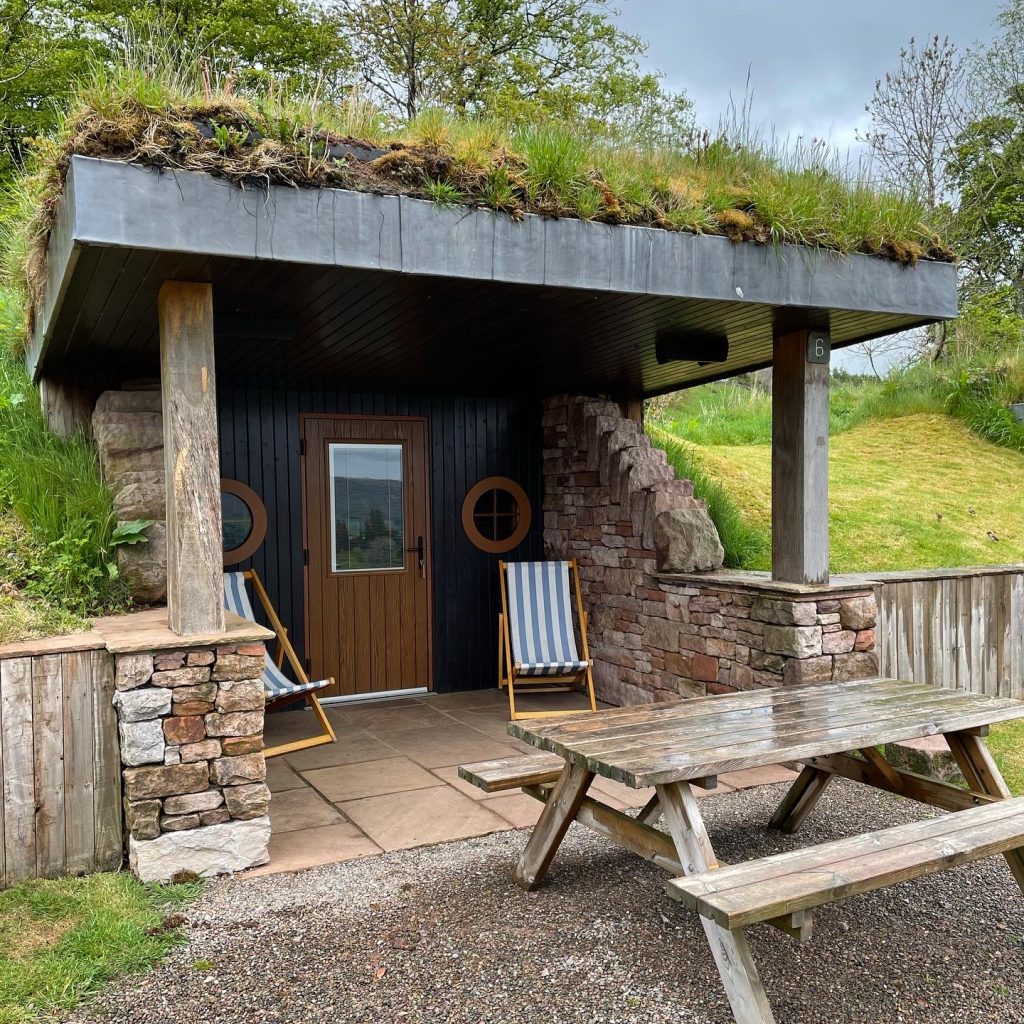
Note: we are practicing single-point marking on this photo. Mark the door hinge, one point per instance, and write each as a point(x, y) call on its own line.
point(305, 556)
point(302, 446)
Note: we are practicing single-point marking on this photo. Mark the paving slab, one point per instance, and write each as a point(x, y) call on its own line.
point(351, 747)
point(297, 809)
point(312, 847)
point(282, 777)
point(370, 778)
point(400, 821)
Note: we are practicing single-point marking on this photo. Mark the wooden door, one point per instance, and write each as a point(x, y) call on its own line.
point(366, 537)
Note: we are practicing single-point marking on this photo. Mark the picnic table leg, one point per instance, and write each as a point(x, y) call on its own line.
point(559, 812)
point(983, 775)
point(747, 996)
point(800, 800)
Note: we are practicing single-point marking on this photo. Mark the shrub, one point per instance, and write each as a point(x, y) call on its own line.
point(60, 549)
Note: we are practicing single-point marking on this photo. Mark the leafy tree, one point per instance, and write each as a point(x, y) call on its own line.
point(987, 168)
point(518, 59)
point(47, 45)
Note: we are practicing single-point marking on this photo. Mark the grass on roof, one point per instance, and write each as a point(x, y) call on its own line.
point(727, 184)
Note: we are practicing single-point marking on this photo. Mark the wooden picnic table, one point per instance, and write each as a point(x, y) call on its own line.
point(834, 730)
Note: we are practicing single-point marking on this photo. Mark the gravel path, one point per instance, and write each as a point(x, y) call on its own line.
point(442, 935)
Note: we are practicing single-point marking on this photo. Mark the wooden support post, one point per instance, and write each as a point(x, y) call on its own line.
point(982, 774)
point(800, 458)
point(195, 597)
point(559, 813)
point(799, 801)
point(747, 996)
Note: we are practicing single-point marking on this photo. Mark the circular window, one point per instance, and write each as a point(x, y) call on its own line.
point(243, 521)
point(496, 514)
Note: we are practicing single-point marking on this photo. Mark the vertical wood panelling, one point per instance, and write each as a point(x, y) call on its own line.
point(60, 799)
point(48, 743)
point(468, 439)
point(79, 752)
point(19, 768)
point(965, 631)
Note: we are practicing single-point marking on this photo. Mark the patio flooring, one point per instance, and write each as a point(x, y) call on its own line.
point(391, 781)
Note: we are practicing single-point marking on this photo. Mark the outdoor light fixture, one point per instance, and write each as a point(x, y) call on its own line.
point(678, 344)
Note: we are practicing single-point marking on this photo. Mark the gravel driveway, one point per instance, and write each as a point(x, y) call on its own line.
point(442, 935)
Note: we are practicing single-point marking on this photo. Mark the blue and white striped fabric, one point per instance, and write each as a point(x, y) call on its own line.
point(540, 619)
point(275, 682)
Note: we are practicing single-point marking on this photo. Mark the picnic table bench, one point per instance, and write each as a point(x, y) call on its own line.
point(833, 730)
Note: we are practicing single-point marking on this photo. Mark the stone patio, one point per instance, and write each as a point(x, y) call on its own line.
point(391, 781)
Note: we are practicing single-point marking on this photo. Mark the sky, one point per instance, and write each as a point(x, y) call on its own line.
point(812, 64)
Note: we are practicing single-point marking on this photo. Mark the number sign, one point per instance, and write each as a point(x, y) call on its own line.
point(819, 345)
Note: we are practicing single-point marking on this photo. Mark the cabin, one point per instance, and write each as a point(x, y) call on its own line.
point(371, 399)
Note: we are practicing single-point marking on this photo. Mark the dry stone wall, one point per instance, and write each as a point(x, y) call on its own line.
point(190, 725)
point(612, 502)
point(127, 428)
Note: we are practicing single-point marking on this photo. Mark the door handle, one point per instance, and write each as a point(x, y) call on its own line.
point(420, 554)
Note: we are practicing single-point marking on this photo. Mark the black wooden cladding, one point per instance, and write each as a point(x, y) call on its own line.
point(469, 438)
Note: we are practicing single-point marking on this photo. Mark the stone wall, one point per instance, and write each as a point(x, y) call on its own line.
point(613, 503)
point(127, 427)
point(190, 724)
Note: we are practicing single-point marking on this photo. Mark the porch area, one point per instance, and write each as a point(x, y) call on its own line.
point(391, 782)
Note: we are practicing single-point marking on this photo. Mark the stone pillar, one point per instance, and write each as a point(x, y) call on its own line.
point(191, 729)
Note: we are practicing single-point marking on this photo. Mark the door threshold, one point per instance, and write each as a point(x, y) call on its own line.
point(365, 698)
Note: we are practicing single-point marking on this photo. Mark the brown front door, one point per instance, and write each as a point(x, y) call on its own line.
point(366, 532)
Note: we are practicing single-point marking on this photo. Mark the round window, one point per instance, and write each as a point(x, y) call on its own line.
point(496, 514)
point(243, 521)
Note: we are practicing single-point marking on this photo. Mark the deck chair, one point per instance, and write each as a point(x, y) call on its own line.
point(536, 641)
point(280, 690)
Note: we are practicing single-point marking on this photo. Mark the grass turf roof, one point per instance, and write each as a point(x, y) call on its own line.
point(724, 185)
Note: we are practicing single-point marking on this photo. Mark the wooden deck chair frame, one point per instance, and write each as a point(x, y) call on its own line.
point(508, 675)
point(285, 650)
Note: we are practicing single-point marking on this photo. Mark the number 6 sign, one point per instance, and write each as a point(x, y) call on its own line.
point(819, 346)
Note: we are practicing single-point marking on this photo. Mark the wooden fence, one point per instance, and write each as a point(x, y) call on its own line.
point(60, 786)
point(962, 628)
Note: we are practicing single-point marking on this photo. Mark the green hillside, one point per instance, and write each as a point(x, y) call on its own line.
point(920, 491)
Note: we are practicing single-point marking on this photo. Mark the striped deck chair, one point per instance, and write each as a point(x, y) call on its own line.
point(280, 690)
point(536, 637)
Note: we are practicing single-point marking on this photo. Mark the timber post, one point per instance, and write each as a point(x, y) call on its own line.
point(800, 457)
point(195, 601)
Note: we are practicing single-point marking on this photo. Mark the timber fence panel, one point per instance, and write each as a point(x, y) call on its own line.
point(958, 628)
point(60, 779)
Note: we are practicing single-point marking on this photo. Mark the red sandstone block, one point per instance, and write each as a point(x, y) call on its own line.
point(865, 640)
point(704, 668)
point(254, 650)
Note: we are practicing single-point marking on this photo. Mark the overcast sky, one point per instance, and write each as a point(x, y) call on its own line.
point(812, 64)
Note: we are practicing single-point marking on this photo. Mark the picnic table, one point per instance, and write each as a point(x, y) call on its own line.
point(833, 729)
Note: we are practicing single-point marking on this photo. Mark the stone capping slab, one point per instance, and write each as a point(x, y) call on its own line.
point(734, 579)
point(965, 572)
point(148, 631)
point(63, 644)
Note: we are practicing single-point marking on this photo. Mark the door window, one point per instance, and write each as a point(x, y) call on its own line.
point(367, 507)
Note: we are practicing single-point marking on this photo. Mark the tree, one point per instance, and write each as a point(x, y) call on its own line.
point(47, 45)
point(916, 113)
point(518, 59)
point(987, 168)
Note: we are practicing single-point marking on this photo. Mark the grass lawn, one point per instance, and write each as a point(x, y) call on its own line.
point(1006, 742)
point(901, 493)
point(61, 940)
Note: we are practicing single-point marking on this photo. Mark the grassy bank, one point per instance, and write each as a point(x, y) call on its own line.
point(57, 523)
point(914, 493)
point(61, 940)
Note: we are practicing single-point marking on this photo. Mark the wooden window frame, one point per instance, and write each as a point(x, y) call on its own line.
point(258, 533)
point(517, 536)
